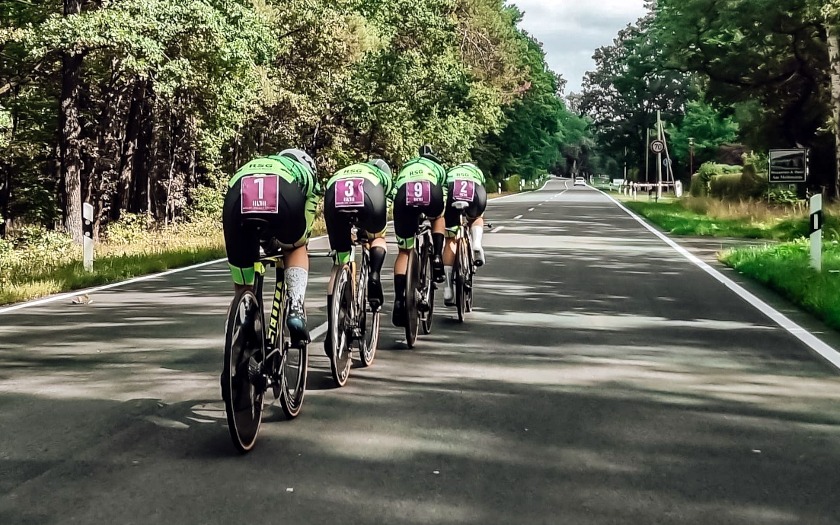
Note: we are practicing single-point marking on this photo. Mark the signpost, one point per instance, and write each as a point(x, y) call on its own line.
point(87, 230)
point(657, 147)
point(788, 165)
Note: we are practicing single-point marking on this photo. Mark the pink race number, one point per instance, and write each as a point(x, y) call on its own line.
point(464, 190)
point(350, 193)
point(260, 193)
point(418, 193)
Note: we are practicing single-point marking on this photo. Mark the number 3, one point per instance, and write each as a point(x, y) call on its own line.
point(349, 189)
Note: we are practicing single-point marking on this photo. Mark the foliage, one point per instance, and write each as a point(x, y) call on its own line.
point(701, 182)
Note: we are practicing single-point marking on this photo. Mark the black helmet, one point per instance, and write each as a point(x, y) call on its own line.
point(302, 157)
point(427, 153)
point(381, 164)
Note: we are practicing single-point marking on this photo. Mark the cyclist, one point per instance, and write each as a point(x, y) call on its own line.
point(420, 189)
point(271, 202)
point(370, 199)
point(465, 182)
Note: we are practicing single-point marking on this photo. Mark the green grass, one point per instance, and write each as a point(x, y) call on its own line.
point(673, 217)
point(786, 269)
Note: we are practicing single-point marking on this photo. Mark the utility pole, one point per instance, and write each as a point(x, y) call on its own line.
point(690, 156)
point(658, 157)
point(647, 153)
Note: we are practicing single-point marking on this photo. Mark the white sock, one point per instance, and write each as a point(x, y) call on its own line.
point(477, 234)
point(447, 270)
point(295, 279)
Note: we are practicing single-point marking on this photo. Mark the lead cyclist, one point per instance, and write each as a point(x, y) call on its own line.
point(465, 182)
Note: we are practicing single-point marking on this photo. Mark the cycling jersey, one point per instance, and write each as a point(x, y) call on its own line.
point(288, 169)
point(365, 171)
point(466, 171)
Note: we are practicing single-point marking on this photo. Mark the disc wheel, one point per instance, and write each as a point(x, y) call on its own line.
point(341, 328)
point(293, 371)
point(242, 381)
point(412, 285)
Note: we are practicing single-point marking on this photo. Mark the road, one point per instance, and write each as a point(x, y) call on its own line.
point(604, 378)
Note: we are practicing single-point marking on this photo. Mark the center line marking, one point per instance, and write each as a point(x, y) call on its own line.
point(517, 217)
point(530, 209)
point(500, 228)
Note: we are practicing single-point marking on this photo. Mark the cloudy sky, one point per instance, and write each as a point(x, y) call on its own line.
point(571, 30)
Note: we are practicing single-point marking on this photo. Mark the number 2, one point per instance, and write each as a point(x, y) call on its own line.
point(463, 186)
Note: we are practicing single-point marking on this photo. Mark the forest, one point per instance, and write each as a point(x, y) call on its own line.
point(146, 107)
point(732, 80)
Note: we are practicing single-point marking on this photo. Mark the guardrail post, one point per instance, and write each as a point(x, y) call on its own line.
point(87, 230)
point(815, 228)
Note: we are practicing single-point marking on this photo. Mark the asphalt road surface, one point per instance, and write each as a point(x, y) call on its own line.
point(603, 378)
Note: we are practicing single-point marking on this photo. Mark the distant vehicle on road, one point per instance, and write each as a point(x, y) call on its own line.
point(580, 181)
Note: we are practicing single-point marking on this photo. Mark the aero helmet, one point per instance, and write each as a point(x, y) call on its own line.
point(302, 157)
point(381, 164)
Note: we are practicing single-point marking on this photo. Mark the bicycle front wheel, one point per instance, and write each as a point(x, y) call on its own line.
point(341, 320)
point(412, 289)
point(294, 366)
point(242, 378)
point(460, 281)
point(427, 290)
point(368, 322)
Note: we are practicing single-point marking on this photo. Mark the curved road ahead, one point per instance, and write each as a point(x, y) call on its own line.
point(604, 378)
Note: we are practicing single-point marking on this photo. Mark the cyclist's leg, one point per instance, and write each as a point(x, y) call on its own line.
point(476, 213)
point(373, 221)
point(295, 218)
point(241, 241)
point(405, 226)
point(452, 219)
point(436, 209)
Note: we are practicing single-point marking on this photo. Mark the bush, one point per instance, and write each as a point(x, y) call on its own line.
point(725, 186)
point(702, 180)
point(511, 183)
point(130, 228)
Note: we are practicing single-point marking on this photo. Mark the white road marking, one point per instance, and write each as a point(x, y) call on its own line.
point(517, 217)
point(530, 209)
point(318, 332)
point(497, 230)
point(825, 351)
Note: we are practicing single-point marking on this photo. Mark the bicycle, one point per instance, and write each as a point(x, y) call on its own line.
point(420, 286)
point(464, 268)
point(256, 358)
point(350, 317)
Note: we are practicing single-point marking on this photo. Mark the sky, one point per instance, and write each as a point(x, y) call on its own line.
point(571, 31)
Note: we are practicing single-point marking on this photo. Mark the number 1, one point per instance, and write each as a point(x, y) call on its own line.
point(260, 182)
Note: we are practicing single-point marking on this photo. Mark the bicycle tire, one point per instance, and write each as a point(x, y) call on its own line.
point(368, 319)
point(242, 385)
point(341, 318)
point(294, 366)
point(469, 281)
point(428, 288)
point(412, 278)
point(460, 292)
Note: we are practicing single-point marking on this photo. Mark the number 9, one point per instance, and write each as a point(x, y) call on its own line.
point(418, 190)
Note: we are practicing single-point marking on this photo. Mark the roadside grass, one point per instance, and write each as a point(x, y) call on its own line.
point(53, 264)
point(48, 263)
point(786, 269)
point(715, 218)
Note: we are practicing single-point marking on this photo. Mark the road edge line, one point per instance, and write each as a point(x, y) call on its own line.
point(821, 348)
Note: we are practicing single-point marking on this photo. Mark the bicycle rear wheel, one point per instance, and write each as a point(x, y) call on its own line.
point(368, 320)
point(341, 320)
point(427, 290)
point(293, 371)
point(242, 380)
point(412, 289)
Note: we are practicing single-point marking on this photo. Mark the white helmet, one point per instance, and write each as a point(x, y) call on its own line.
point(302, 157)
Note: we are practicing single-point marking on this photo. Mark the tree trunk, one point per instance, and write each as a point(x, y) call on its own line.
point(70, 131)
point(834, 60)
point(122, 197)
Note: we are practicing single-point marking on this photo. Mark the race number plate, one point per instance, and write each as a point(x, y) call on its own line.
point(350, 193)
point(418, 193)
point(464, 190)
point(260, 193)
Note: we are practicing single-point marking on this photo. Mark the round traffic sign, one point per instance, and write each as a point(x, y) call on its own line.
point(657, 146)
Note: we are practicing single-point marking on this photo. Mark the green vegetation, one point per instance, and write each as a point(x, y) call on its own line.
point(39, 262)
point(147, 106)
point(712, 217)
point(786, 269)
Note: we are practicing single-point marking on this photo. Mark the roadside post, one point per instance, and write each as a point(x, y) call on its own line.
point(87, 230)
point(500, 186)
point(815, 229)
